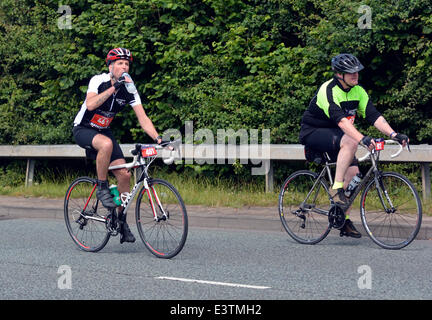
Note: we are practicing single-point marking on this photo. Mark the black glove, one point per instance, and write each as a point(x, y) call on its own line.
point(366, 141)
point(164, 143)
point(400, 138)
point(157, 139)
point(120, 82)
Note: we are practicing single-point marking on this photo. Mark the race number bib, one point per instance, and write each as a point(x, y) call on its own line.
point(100, 121)
point(148, 151)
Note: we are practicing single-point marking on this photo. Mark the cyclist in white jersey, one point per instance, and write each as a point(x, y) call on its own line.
point(106, 96)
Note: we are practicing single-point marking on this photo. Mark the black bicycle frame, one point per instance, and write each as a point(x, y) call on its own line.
point(372, 171)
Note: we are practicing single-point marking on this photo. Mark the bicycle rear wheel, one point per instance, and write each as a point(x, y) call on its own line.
point(165, 234)
point(391, 212)
point(85, 217)
point(304, 218)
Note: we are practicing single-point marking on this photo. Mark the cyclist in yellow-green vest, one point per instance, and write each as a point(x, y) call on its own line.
point(328, 126)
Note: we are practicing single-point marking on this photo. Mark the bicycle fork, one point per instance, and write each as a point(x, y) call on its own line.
point(383, 195)
point(381, 189)
point(151, 190)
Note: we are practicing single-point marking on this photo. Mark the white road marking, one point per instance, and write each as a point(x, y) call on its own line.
point(214, 283)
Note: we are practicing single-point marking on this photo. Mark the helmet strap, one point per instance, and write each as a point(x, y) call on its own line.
point(343, 79)
point(111, 74)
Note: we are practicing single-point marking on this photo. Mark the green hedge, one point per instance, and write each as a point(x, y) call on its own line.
point(220, 63)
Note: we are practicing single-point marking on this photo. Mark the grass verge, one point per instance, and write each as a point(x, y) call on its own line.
point(194, 191)
point(210, 192)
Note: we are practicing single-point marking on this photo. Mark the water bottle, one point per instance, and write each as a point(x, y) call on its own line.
point(355, 181)
point(115, 193)
point(130, 86)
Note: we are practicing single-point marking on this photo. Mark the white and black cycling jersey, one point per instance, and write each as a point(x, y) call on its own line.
point(101, 117)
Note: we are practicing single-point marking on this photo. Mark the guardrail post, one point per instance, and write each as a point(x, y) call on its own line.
point(269, 175)
point(29, 172)
point(426, 182)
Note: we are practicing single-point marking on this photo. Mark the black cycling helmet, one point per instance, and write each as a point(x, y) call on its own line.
point(346, 63)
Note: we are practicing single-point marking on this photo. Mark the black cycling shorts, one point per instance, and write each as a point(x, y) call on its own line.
point(327, 140)
point(84, 137)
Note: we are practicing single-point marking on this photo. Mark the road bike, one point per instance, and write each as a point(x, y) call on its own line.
point(160, 213)
point(390, 207)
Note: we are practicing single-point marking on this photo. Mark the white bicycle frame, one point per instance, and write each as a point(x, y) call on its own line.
point(139, 161)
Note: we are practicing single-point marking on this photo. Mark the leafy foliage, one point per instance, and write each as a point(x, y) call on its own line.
point(219, 63)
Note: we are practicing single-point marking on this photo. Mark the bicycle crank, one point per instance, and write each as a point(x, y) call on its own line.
point(112, 225)
point(336, 217)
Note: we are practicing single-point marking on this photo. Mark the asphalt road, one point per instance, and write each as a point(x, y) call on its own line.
point(38, 260)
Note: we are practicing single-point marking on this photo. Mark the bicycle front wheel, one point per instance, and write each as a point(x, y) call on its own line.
point(391, 210)
point(304, 203)
point(161, 219)
point(85, 216)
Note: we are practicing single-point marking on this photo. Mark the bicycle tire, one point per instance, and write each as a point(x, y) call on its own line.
point(309, 225)
point(391, 230)
point(89, 235)
point(164, 238)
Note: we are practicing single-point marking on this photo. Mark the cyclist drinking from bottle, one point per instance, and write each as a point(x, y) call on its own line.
point(107, 95)
point(328, 126)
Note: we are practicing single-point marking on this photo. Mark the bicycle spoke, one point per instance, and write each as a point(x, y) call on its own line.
point(79, 209)
point(392, 216)
point(306, 222)
point(166, 235)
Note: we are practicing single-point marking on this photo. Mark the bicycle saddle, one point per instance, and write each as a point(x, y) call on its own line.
point(312, 155)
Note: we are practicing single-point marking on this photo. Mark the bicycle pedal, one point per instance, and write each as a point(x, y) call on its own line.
point(112, 225)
